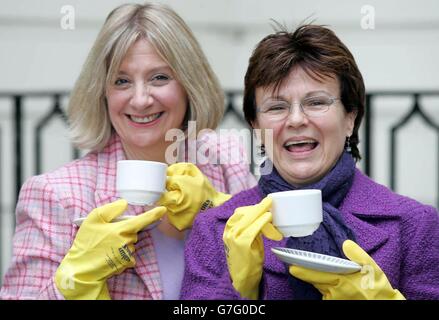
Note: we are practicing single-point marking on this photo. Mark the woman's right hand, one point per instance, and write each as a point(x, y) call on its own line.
point(244, 246)
point(188, 192)
point(100, 250)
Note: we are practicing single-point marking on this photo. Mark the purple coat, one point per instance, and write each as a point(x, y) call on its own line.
point(400, 234)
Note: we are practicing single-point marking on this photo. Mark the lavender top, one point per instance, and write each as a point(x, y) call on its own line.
point(169, 252)
point(401, 235)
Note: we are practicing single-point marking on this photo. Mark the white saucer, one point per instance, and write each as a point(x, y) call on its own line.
point(78, 221)
point(316, 261)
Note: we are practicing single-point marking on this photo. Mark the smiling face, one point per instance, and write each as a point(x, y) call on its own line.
point(145, 101)
point(305, 148)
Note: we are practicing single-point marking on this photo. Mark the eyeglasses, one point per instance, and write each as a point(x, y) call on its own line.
point(277, 110)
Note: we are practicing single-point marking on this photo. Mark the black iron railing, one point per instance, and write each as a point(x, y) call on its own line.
point(232, 108)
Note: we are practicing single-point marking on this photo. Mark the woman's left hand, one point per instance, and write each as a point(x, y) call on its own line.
point(188, 192)
point(369, 284)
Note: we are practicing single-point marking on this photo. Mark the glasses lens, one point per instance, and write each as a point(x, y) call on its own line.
point(275, 109)
point(316, 106)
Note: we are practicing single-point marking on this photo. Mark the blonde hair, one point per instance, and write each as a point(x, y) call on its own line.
point(90, 126)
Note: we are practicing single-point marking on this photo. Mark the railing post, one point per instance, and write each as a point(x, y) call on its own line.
point(18, 135)
point(2, 209)
point(367, 137)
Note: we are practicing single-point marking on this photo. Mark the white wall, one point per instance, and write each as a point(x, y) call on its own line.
point(399, 53)
point(36, 53)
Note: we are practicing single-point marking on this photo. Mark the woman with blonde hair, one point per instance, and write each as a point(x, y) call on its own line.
point(145, 76)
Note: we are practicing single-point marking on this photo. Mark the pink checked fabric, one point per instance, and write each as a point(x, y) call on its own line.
point(49, 203)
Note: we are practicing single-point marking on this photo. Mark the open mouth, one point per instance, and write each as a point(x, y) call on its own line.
point(145, 119)
point(301, 146)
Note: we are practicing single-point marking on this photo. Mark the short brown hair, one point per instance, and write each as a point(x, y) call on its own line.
point(320, 53)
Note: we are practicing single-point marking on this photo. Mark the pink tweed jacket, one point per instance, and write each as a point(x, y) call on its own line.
point(48, 204)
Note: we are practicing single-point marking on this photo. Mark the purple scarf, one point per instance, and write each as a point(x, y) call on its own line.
point(333, 231)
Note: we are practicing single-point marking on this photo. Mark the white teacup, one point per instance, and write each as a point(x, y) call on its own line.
point(140, 182)
point(297, 213)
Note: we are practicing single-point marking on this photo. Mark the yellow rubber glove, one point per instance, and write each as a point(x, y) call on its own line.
point(100, 250)
point(369, 284)
point(188, 192)
point(245, 248)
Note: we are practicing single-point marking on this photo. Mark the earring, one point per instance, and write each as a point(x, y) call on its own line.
point(348, 145)
point(261, 150)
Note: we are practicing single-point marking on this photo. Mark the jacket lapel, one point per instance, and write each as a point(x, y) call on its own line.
point(146, 261)
point(369, 237)
point(364, 212)
point(106, 167)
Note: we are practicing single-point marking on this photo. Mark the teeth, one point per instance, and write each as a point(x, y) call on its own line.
point(298, 142)
point(145, 119)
